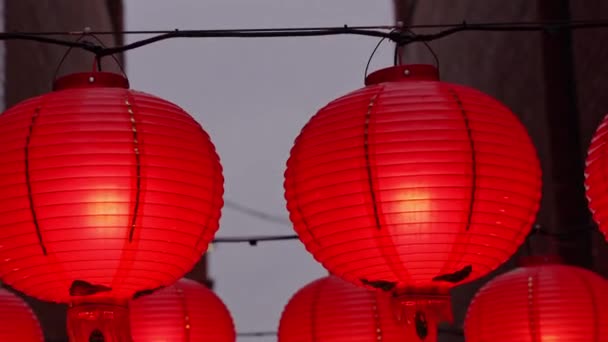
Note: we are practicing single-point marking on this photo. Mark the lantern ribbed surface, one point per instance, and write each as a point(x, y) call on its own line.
point(333, 310)
point(184, 312)
point(596, 176)
point(18, 322)
point(540, 303)
point(104, 185)
point(412, 183)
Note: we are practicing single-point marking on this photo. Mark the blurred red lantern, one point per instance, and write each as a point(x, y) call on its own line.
point(333, 310)
point(540, 302)
point(412, 185)
point(184, 312)
point(18, 321)
point(596, 176)
point(105, 192)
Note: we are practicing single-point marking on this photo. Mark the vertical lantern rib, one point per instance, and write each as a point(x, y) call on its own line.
point(459, 245)
point(314, 308)
point(392, 259)
point(128, 102)
point(532, 314)
point(368, 164)
point(28, 180)
point(473, 157)
point(594, 302)
point(376, 314)
point(182, 300)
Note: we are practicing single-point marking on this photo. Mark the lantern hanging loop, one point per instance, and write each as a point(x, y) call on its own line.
point(401, 36)
point(371, 56)
point(400, 44)
point(96, 47)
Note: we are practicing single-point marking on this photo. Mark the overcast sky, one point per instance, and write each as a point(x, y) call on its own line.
point(253, 96)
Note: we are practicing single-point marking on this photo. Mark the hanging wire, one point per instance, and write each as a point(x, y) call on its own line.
point(442, 330)
point(371, 56)
point(567, 237)
point(253, 240)
point(257, 334)
point(497, 25)
point(97, 62)
point(261, 215)
point(394, 33)
point(399, 46)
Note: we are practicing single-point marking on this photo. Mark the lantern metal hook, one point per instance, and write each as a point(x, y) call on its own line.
point(96, 47)
point(397, 35)
point(369, 61)
point(412, 39)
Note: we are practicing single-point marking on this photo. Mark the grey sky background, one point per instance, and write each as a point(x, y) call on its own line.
point(253, 96)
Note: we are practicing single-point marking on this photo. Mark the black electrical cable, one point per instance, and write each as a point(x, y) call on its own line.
point(248, 34)
point(513, 24)
point(537, 230)
point(442, 330)
point(396, 34)
point(256, 213)
point(253, 240)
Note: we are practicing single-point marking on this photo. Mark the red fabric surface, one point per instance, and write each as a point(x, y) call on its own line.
point(405, 181)
point(546, 303)
point(123, 188)
point(333, 310)
point(184, 312)
point(17, 321)
point(596, 176)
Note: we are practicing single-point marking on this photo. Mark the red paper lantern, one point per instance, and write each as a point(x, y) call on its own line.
point(333, 310)
point(596, 176)
point(540, 302)
point(105, 192)
point(412, 185)
point(18, 322)
point(184, 312)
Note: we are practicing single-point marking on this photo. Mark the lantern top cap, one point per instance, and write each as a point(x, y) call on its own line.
point(540, 260)
point(91, 80)
point(400, 73)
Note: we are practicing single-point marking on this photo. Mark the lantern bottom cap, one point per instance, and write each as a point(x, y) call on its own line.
point(99, 322)
point(435, 305)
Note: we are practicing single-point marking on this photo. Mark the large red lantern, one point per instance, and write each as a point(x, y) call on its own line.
point(412, 185)
point(184, 312)
point(596, 176)
point(105, 193)
point(540, 302)
point(18, 322)
point(333, 310)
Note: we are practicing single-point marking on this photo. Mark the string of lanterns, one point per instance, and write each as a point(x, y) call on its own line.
point(402, 190)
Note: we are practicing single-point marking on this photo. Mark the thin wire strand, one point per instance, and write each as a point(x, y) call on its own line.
point(602, 22)
point(426, 44)
point(262, 215)
point(369, 60)
point(537, 230)
point(395, 33)
point(448, 331)
point(265, 33)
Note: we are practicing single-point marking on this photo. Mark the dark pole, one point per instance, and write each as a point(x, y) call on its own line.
point(565, 161)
